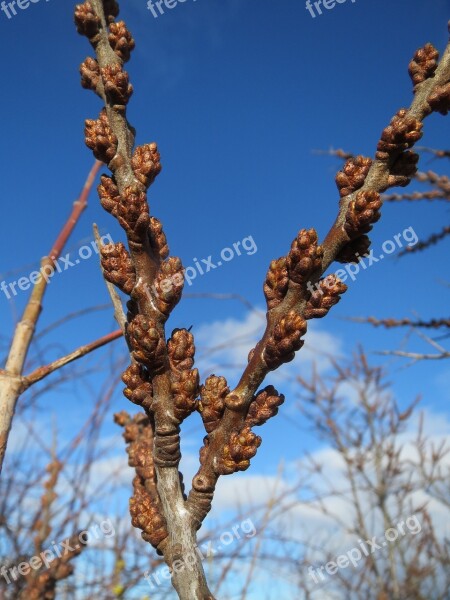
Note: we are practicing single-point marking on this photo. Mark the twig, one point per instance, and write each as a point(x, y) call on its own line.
point(42, 372)
point(11, 377)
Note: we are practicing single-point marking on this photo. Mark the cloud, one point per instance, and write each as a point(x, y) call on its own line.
point(223, 346)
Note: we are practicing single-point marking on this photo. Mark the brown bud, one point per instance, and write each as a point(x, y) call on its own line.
point(264, 406)
point(277, 282)
point(362, 213)
point(322, 299)
point(116, 83)
point(146, 163)
point(236, 455)
point(158, 239)
point(132, 213)
point(352, 175)
point(181, 349)
point(305, 256)
point(185, 391)
point(121, 40)
point(424, 64)
point(402, 133)
point(139, 389)
point(352, 252)
point(169, 285)
point(147, 342)
point(86, 20)
point(100, 138)
point(117, 266)
point(439, 99)
point(146, 516)
point(109, 194)
point(285, 340)
point(211, 405)
point(90, 74)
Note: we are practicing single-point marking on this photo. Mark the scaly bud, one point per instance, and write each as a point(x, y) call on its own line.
point(285, 340)
point(329, 293)
point(402, 133)
point(305, 256)
point(146, 163)
point(117, 267)
point(352, 175)
point(211, 405)
point(277, 282)
point(264, 406)
point(121, 40)
point(100, 138)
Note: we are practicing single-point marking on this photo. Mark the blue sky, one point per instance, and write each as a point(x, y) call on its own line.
point(238, 94)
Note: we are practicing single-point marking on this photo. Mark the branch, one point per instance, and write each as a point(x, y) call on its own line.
point(11, 377)
point(390, 323)
point(42, 372)
point(290, 286)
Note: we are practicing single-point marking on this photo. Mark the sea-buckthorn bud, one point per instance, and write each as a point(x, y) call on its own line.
point(138, 389)
point(236, 455)
point(169, 285)
point(439, 99)
point(423, 64)
point(146, 516)
point(212, 397)
point(264, 406)
point(109, 194)
point(117, 266)
point(158, 240)
point(181, 350)
point(90, 74)
point(403, 169)
point(100, 138)
point(305, 256)
point(132, 213)
point(121, 40)
point(362, 212)
point(146, 163)
point(402, 133)
point(322, 299)
point(147, 343)
point(354, 250)
point(352, 175)
point(86, 20)
point(185, 391)
point(277, 282)
point(118, 89)
point(285, 340)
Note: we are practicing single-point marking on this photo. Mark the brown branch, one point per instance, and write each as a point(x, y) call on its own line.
point(361, 181)
point(430, 241)
point(143, 274)
point(11, 377)
point(45, 371)
point(390, 323)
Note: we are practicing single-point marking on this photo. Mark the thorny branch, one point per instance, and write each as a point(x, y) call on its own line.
point(161, 378)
